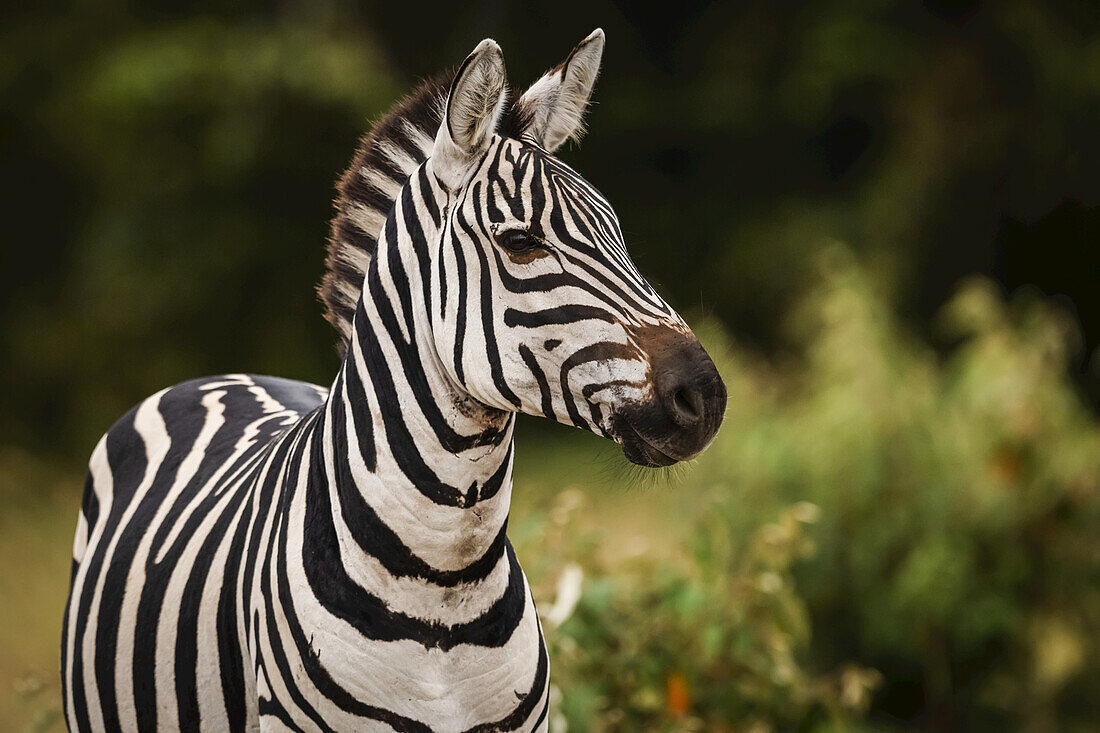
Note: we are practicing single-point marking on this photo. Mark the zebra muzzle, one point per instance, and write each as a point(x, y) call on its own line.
point(687, 404)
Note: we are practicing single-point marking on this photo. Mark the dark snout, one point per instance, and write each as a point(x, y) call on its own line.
point(686, 409)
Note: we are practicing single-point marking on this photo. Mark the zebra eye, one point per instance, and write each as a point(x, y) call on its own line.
point(517, 240)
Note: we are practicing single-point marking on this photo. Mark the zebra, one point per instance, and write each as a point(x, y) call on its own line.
point(255, 553)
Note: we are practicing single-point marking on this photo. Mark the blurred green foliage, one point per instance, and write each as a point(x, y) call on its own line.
point(171, 166)
point(873, 522)
point(897, 527)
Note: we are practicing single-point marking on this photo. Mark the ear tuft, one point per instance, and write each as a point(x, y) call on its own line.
point(476, 96)
point(558, 100)
point(470, 114)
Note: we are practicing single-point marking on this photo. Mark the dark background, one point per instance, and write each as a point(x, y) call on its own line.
point(169, 166)
point(168, 178)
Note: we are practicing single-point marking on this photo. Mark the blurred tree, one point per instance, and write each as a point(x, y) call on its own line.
point(172, 165)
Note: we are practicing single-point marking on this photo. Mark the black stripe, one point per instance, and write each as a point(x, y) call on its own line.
point(376, 538)
point(405, 451)
point(544, 386)
point(347, 600)
point(594, 352)
point(361, 420)
point(126, 458)
point(560, 316)
point(274, 563)
point(493, 354)
point(527, 705)
point(412, 368)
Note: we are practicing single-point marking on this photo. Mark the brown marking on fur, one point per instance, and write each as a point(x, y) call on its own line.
point(654, 340)
point(527, 256)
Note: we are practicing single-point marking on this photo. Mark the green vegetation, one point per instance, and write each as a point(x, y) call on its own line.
point(873, 520)
point(898, 527)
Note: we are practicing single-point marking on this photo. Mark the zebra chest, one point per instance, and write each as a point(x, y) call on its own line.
point(345, 675)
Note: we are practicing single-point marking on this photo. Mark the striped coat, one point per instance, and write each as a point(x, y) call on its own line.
point(259, 553)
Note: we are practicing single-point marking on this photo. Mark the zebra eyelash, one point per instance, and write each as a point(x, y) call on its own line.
point(519, 241)
point(506, 238)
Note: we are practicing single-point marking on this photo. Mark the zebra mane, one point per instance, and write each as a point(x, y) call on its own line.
point(388, 154)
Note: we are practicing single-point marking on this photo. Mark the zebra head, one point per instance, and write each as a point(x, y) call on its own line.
point(537, 306)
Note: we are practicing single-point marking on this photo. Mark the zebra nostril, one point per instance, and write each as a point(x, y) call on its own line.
point(685, 405)
point(682, 399)
point(688, 396)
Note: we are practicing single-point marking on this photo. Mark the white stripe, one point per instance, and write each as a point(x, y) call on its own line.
point(421, 139)
point(388, 187)
point(145, 423)
point(103, 488)
point(369, 219)
point(397, 155)
point(212, 705)
point(80, 541)
point(410, 596)
point(149, 424)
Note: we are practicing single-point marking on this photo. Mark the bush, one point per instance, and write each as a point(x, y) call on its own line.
point(694, 645)
point(933, 519)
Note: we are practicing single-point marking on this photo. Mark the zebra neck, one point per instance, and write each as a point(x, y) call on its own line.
point(428, 467)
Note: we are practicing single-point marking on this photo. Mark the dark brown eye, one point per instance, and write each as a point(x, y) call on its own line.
point(517, 241)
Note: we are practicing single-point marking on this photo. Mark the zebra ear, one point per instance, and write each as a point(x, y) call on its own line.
point(470, 114)
point(557, 101)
